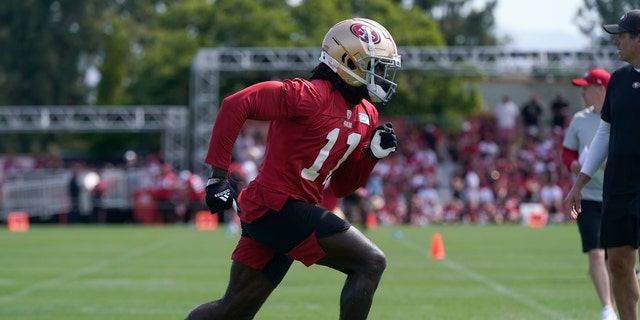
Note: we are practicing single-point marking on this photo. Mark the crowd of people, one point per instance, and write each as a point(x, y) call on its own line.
point(496, 172)
point(175, 194)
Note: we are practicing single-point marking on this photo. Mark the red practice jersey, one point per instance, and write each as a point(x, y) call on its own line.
point(312, 136)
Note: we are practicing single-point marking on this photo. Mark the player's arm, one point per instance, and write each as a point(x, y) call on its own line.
point(354, 174)
point(597, 149)
point(569, 158)
point(351, 175)
point(262, 101)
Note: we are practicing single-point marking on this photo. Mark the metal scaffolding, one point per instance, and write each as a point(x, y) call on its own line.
point(171, 121)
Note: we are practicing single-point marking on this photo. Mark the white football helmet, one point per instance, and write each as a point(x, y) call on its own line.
point(362, 52)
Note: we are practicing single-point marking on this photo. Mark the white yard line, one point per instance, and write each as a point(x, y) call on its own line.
point(497, 287)
point(74, 274)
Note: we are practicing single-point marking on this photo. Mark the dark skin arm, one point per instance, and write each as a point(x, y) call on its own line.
point(219, 172)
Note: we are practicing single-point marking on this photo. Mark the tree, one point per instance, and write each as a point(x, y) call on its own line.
point(593, 13)
point(314, 17)
point(186, 26)
point(461, 23)
point(113, 68)
point(44, 46)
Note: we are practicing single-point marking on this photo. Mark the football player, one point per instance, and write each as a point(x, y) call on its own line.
point(322, 128)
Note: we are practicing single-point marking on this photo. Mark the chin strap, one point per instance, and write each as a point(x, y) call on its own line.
point(376, 92)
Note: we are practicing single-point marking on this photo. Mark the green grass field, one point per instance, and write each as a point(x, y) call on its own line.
point(162, 272)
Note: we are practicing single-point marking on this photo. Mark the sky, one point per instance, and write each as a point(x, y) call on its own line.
point(540, 24)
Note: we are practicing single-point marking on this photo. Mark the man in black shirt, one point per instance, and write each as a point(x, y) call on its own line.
point(617, 140)
point(559, 111)
point(531, 113)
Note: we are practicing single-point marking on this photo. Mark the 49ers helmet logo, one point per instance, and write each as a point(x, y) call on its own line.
point(360, 31)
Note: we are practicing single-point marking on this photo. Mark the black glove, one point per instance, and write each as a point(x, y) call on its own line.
point(383, 141)
point(220, 195)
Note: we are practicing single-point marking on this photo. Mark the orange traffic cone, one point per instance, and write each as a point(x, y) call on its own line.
point(371, 220)
point(18, 221)
point(437, 247)
point(205, 220)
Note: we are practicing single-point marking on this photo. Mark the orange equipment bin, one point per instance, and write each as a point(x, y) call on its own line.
point(18, 221)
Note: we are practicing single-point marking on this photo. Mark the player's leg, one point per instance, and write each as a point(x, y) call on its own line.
point(255, 272)
point(620, 221)
point(589, 227)
point(247, 291)
point(622, 262)
point(599, 273)
point(362, 261)
point(311, 234)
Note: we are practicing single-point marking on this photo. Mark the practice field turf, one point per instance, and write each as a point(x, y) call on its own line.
point(162, 272)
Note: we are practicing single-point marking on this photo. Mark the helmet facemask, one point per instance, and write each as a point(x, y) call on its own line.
point(380, 75)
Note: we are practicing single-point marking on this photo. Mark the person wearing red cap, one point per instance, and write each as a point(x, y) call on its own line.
point(578, 136)
point(617, 141)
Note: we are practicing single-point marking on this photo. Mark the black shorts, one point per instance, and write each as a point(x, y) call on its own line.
point(271, 242)
point(621, 220)
point(589, 224)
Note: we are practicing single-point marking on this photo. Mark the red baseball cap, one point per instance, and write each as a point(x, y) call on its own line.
point(597, 77)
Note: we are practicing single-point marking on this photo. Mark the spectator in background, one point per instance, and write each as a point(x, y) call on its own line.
point(472, 192)
point(488, 148)
point(191, 196)
point(457, 184)
point(617, 141)
point(432, 137)
point(506, 114)
point(165, 193)
point(99, 213)
point(426, 203)
point(11, 166)
point(486, 211)
point(531, 114)
point(551, 196)
point(576, 142)
point(74, 188)
point(48, 159)
point(559, 111)
point(375, 184)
